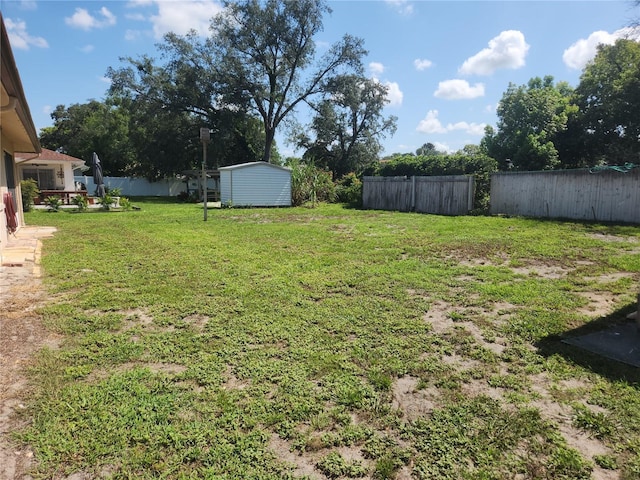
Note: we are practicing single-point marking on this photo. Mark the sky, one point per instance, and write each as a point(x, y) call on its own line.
point(446, 63)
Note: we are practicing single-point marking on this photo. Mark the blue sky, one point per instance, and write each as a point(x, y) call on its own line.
point(446, 63)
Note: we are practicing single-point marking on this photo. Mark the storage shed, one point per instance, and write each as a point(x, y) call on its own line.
point(256, 184)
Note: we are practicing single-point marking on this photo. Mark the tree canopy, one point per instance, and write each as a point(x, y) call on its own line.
point(529, 119)
point(81, 129)
point(347, 125)
point(608, 97)
point(265, 53)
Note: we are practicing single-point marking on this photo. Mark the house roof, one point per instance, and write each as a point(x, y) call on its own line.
point(15, 117)
point(253, 164)
point(46, 155)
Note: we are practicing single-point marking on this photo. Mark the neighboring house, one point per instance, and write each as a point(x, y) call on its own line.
point(53, 171)
point(256, 184)
point(17, 134)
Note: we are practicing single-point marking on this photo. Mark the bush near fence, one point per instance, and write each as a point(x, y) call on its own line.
point(440, 164)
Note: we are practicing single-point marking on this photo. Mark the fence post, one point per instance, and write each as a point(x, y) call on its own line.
point(470, 193)
point(413, 193)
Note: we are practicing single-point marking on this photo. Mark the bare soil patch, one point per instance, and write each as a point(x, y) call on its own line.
point(23, 334)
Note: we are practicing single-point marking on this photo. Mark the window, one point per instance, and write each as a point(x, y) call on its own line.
point(43, 176)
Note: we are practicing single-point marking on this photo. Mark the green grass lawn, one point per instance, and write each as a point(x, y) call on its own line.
point(331, 343)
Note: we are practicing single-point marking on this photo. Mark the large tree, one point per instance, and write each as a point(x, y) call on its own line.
point(172, 98)
point(348, 123)
point(81, 129)
point(266, 53)
point(609, 100)
point(529, 119)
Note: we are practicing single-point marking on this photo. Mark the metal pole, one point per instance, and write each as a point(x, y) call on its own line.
point(205, 135)
point(204, 179)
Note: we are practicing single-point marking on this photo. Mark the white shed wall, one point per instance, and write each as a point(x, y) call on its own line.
point(255, 184)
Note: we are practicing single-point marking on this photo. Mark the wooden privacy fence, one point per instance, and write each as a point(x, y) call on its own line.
point(602, 196)
point(441, 195)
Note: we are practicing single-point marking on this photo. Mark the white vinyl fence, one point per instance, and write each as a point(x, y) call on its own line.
point(602, 196)
point(440, 195)
point(137, 187)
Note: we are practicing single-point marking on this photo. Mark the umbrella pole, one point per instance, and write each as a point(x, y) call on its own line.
point(204, 179)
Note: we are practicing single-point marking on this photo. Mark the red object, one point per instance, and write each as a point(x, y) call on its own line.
point(10, 212)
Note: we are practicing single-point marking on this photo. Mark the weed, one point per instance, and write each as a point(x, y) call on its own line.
point(334, 466)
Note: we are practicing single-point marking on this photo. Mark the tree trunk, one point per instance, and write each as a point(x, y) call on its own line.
point(268, 143)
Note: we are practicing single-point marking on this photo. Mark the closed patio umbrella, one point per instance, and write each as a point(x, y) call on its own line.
point(97, 176)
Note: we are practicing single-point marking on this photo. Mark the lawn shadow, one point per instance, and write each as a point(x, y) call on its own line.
point(608, 346)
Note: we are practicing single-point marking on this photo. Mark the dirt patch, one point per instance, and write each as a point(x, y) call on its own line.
point(232, 382)
point(198, 322)
point(610, 277)
point(600, 304)
point(605, 237)
point(543, 271)
point(23, 334)
point(303, 466)
point(438, 316)
point(410, 401)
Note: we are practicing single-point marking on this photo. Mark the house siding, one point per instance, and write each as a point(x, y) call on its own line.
point(256, 184)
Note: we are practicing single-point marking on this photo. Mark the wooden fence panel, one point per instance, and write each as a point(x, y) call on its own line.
point(441, 195)
point(387, 193)
point(603, 196)
point(444, 195)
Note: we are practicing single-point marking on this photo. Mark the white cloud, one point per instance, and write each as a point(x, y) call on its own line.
point(106, 80)
point(47, 109)
point(20, 38)
point(507, 50)
point(180, 17)
point(431, 124)
point(131, 35)
point(584, 50)
point(394, 94)
point(403, 7)
point(136, 17)
point(28, 5)
point(139, 3)
point(470, 128)
point(442, 147)
point(422, 64)
point(87, 49)
point(376, 68)
point(83, 20)
point(458, 90)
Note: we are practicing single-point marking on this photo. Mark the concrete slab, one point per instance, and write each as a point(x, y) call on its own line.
point(620, 342)
point(24, 248)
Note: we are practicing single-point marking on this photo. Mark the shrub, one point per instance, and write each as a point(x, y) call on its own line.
point(106, 202)
point(125, 203)
point(113, 192)
point(309, 183)
point(53, 203)
point(30, 192)
point(461, 163)
point(349, 190)
point(81, 202)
